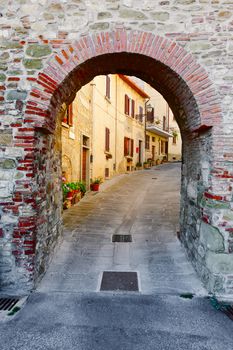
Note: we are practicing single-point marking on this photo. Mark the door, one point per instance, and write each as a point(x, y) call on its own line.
point(166, 149)
point(140, 152)
point(153, 152)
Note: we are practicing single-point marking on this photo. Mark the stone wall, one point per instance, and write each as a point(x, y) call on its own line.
point(49, 49)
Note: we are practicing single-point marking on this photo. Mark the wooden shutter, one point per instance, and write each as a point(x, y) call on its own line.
point(127, 104)
point(132, 108)
point(126, 151)
point(70, 115)
point(150, 116)
point(107, 139)
point(107, 86)
point(131, 149)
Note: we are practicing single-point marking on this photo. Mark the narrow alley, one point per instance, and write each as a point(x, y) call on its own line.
point(73, 308)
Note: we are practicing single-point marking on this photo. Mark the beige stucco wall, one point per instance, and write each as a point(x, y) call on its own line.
point(159, 155)
point(161, 109)
point(92, 113)
point(72, 136)
point(110, 113)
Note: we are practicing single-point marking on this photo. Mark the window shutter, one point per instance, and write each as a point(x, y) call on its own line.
point(132, 108)
point(70, 115)
point(126, 105)
point(131, 150)
point(107, 139)
point(125, 146)
point(107, 86)
point(150, 116)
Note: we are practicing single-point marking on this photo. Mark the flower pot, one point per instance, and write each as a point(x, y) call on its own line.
point(95, 187)
point(70, 195)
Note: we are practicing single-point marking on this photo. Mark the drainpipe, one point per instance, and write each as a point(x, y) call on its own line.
point(116, 134)
point(146, 103)
point(93, 128)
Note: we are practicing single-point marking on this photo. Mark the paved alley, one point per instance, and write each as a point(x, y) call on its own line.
point(68, 310)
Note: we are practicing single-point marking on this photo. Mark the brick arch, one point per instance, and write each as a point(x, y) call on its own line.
point(163, 63)
point(170, 69)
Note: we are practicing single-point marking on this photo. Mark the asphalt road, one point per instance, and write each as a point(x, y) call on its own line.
point(68, 310)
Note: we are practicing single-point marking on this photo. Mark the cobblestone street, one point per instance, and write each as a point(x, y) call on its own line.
point(145, 205)
point(67, 311)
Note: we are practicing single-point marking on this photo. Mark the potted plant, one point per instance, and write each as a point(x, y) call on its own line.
point(146, 165)
point(95, 183)
point(82, 187)
point(65, 191)
point(139, 165)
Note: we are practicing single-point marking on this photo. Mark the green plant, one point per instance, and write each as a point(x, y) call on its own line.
point(65, 191)
point(81, 186)
point(97, 180)
point(174, 133)
point(146, 162)
point(138, 164)
point(72, 186)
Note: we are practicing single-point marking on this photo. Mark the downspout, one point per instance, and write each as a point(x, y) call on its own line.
point(116, 133)
point(93, 128)
point(145, 128)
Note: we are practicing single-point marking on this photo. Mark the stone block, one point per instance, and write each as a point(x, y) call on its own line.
point(2, 77)
point(132, 14)
point(160, 16)
point(104, 15)
point(7, 163)
point(211, 238)
point(6, 137)
point(16, 95)
point(32, 63)
point(36, 50)
point(219, 263)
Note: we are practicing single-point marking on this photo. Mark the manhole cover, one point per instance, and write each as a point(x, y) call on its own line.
point(6, 304)
point(122, 281)
point(122, 238)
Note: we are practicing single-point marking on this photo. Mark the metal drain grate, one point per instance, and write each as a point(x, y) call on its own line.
point(119, 281)
point(6, 304)
point(122, 238)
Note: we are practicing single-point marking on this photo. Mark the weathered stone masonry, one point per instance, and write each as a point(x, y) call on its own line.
point(49, 50)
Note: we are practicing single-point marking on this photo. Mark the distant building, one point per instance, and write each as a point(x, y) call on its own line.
point(162, 121)
point(108, 129)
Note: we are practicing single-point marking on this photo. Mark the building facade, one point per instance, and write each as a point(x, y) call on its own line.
point(103, 130)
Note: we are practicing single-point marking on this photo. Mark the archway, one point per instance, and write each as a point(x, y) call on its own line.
point(172, 71)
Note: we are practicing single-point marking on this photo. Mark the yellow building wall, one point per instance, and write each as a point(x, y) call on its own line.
point(110, 113)
point(159, 155)
point(72, 137)
point(161, 108)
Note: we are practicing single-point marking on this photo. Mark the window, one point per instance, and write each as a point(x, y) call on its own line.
point(174, 140)
point(141, 114)
point(150, 116)
point(127, 104)
point(107, 139)
point(132, 108)
point(128, 147)
point(106, 172)
point(107, 86)
point(164, 123)
point(147, 142)
point(68, 117)
point(153, 139)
